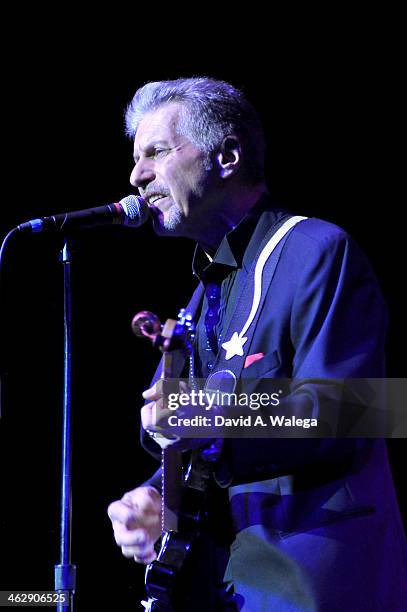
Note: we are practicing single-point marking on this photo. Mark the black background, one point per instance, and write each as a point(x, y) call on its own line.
point(329, 107)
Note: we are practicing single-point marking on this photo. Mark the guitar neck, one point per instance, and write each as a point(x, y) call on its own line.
point(172, 483)
point(171, 468)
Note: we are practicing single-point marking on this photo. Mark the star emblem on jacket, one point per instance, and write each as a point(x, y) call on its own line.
point(234, 346)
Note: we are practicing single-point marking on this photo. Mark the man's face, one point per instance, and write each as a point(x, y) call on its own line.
point(171, 173)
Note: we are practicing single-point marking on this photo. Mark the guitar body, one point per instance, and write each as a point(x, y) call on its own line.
point(163, 573)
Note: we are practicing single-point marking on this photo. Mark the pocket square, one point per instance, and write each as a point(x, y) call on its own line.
point(252, 358)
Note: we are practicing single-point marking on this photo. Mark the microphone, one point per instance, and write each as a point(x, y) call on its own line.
point(131, 211)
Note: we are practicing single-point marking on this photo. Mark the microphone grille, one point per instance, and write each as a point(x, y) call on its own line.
point(135, 209)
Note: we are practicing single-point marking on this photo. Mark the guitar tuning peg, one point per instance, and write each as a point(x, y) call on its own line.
point(146, 324)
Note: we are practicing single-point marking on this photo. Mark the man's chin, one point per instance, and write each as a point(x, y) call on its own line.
point(167, 222)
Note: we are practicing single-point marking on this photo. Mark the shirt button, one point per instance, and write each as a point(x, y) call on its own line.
point(209, 365)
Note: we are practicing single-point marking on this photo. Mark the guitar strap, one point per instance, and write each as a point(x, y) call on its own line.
point(231, 357)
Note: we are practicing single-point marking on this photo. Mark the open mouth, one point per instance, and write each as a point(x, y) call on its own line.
point(154, 199)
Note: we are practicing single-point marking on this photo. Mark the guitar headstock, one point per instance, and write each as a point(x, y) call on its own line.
point(172, 336)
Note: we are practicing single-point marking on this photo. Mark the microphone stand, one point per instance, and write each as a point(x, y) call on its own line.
point(65, 572)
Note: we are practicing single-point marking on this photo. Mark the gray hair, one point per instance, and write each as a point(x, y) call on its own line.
point(211, 110)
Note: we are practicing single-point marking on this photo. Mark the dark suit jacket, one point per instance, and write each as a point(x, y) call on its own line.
point(316, 521)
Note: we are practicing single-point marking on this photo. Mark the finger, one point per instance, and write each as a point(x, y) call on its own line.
point(153, 393)
point(138, 551)
point(145, 506)
point(146, 559)
point(132, 537)
point(144, 513)
point(151, 424)
point(147, 415)
point(184, 387)
point(152, 413)
point(122, 513)
point(144, 499)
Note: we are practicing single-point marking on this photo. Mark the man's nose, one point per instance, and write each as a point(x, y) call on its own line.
point(142, 174)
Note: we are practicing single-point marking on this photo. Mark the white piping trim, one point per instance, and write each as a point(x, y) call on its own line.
point(258, 273)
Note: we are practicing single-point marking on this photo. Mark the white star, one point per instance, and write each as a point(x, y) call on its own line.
point(234, 346)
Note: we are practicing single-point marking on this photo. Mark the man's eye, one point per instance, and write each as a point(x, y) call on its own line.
point(158, 152)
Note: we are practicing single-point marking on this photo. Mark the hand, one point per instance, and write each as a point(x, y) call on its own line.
point(136, 520)
point(154, 418)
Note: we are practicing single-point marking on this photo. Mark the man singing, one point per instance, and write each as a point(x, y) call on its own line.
point(292, 524)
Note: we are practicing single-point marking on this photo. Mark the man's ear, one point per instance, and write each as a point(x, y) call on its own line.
point(229, 156)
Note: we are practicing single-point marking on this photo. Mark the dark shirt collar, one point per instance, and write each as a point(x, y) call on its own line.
point(233, 246)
